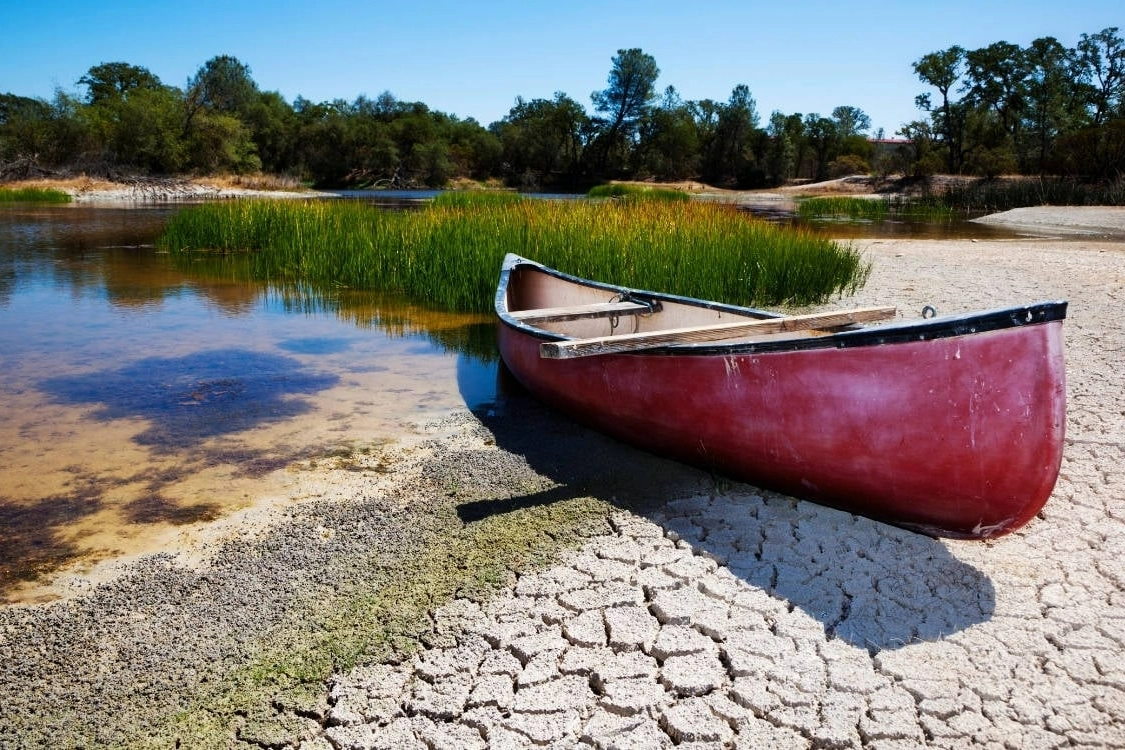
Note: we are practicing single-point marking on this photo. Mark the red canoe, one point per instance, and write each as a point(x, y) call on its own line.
point(948, 426)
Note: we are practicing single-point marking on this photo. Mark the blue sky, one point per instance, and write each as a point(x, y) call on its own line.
point(472, 59)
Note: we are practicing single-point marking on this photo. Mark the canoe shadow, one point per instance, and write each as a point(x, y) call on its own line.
point(872, 585)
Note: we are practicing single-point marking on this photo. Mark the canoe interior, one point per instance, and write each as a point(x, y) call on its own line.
point(531, 288)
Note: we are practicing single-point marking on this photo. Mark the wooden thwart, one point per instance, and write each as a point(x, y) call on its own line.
point(577, 312)
point(650, 339)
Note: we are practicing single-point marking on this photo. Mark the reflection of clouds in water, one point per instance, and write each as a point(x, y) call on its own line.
point(317, 345)
point(198, 396)
point(477, 382)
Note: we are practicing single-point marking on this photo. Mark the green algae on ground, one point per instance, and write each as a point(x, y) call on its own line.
point(380, 619)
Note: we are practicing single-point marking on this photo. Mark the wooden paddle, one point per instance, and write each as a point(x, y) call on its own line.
point(630, 342)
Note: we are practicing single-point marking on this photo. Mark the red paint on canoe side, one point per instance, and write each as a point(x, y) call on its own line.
point(958, 436)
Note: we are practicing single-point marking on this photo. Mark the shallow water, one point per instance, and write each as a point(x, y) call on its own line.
point(140, 399)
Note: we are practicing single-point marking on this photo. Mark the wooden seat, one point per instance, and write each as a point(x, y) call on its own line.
point(696, 334)
point(578, 312)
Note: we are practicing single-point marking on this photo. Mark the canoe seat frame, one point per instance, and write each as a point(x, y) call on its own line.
point(580, 312)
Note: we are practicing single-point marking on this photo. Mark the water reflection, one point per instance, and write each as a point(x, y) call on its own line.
point(855, 229)
point(188, 399)
point(142, 396)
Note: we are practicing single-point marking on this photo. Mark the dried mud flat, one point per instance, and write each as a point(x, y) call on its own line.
point(702, 614)
point(740, 619)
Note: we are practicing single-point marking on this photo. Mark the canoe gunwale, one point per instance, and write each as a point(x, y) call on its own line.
point(891, 333)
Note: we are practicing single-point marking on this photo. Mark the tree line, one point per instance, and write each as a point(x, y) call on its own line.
point(1043, 109)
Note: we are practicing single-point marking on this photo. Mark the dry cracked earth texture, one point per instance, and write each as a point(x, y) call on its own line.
point(739, 618)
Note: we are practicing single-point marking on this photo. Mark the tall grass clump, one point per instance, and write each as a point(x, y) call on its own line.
point(469, 198)
point(868, 209)
point(33, 195)
point(637, 192)
point(448, 255)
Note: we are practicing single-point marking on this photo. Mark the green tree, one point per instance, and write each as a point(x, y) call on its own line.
point(134, 121)
point(109, 82)
point(24, 129)
point(923, 161)
point(854, 151)
point(542, 140)
point(273, 128)
point(473, 150)
point(220, 143)
point(624, 102)
point(321, 140)
point(142, 132)
point(1052, 104)
point(220, 97)
point(850, 121)
point(730, 154)
point(1101, 69)
point(996, 80)
point(943, 71)
point(786, 149)
point(668, 148)
point(222, 85)
point(823, 138)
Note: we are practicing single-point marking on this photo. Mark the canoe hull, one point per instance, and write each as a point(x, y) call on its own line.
point(958, 435)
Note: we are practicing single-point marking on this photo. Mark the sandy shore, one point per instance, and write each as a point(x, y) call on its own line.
point(702, 613)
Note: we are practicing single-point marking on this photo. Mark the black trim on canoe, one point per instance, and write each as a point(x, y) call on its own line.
point(892, 333)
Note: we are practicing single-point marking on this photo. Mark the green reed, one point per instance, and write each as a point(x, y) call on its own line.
point(33, 195)
point(448, 254)
point(637, 192)
point(866, 209)
point(463, 198)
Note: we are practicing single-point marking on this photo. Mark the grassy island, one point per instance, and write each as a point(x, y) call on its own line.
point(448, 254)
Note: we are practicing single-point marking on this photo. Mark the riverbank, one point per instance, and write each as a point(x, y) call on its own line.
point(688, 609)
point(84, 189)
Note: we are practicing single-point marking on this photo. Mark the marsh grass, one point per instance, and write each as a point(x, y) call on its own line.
point(468, 198)
point(1002, 195)
point(33, 195)
point(868, 209)
point(636, 192)
point(448, 255)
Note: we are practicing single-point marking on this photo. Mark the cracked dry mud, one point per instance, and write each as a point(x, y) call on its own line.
point(749, 620)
